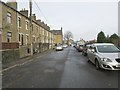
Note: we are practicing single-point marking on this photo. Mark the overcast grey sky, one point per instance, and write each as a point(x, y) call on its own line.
point(84, 19)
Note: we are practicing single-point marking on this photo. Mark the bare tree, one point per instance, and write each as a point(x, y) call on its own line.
point(67, 36)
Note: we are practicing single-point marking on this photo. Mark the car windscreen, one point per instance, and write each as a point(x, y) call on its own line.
point(81, 45)
point(59, 45)
point(107, 48)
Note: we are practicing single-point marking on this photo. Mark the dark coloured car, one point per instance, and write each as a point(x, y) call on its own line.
point(84, 51)
point(80, 47)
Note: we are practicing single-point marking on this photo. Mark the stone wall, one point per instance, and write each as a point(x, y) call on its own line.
point(23, 51)
point(10, 56)
point(45, 46)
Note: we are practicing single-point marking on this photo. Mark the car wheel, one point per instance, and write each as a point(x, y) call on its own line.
point(88, 60)
point(85, 54)
point(97, 65)
point(82, 53)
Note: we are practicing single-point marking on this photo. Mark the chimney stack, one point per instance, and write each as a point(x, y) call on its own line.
point(39, 21)
point(61, 28)
point(12, 3)
point(24, 12)
point(34, 17)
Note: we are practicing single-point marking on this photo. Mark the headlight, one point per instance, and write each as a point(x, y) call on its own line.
point(106, 60)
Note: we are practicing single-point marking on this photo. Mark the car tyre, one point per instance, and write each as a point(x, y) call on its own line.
point(85, 54)
point(88, 60)
point(82, 53)
point(97, 65)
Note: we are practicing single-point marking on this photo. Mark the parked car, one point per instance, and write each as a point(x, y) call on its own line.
point(84, 51)
point(77, 46)
point(74, 45)
point(80, 47)
point(53, 46)
point(118, 47)
point(59, 48)
point(104, 56)
point(65, 46)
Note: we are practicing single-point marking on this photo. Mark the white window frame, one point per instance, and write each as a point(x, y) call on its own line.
point(26, 24)
point(27, 39)
point(9, 18)
point(9, 37)
point(19, 19)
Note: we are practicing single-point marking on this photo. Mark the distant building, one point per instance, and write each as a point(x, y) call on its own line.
point(82, 41)
point(92, 41)
point(58, 36)
point(69, 42)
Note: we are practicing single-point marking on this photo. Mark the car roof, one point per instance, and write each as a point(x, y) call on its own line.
point(96, 44)
point(88, 44)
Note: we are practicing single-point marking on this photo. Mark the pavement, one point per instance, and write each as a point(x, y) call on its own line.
point(23, 60)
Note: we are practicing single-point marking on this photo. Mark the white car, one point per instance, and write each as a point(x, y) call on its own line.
point(59, 48)
point(104, 55)
point(65, 46)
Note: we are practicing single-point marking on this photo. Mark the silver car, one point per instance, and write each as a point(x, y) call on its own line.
point(104, 55)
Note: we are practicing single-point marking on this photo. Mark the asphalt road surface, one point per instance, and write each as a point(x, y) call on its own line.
point(59, 69)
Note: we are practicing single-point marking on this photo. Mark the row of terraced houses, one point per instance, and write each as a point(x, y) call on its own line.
point(16, 37)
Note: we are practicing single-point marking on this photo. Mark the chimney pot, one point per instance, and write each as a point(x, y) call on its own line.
point(25, 12)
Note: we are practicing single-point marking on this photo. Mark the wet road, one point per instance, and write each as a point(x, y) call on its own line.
point(59, 69)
